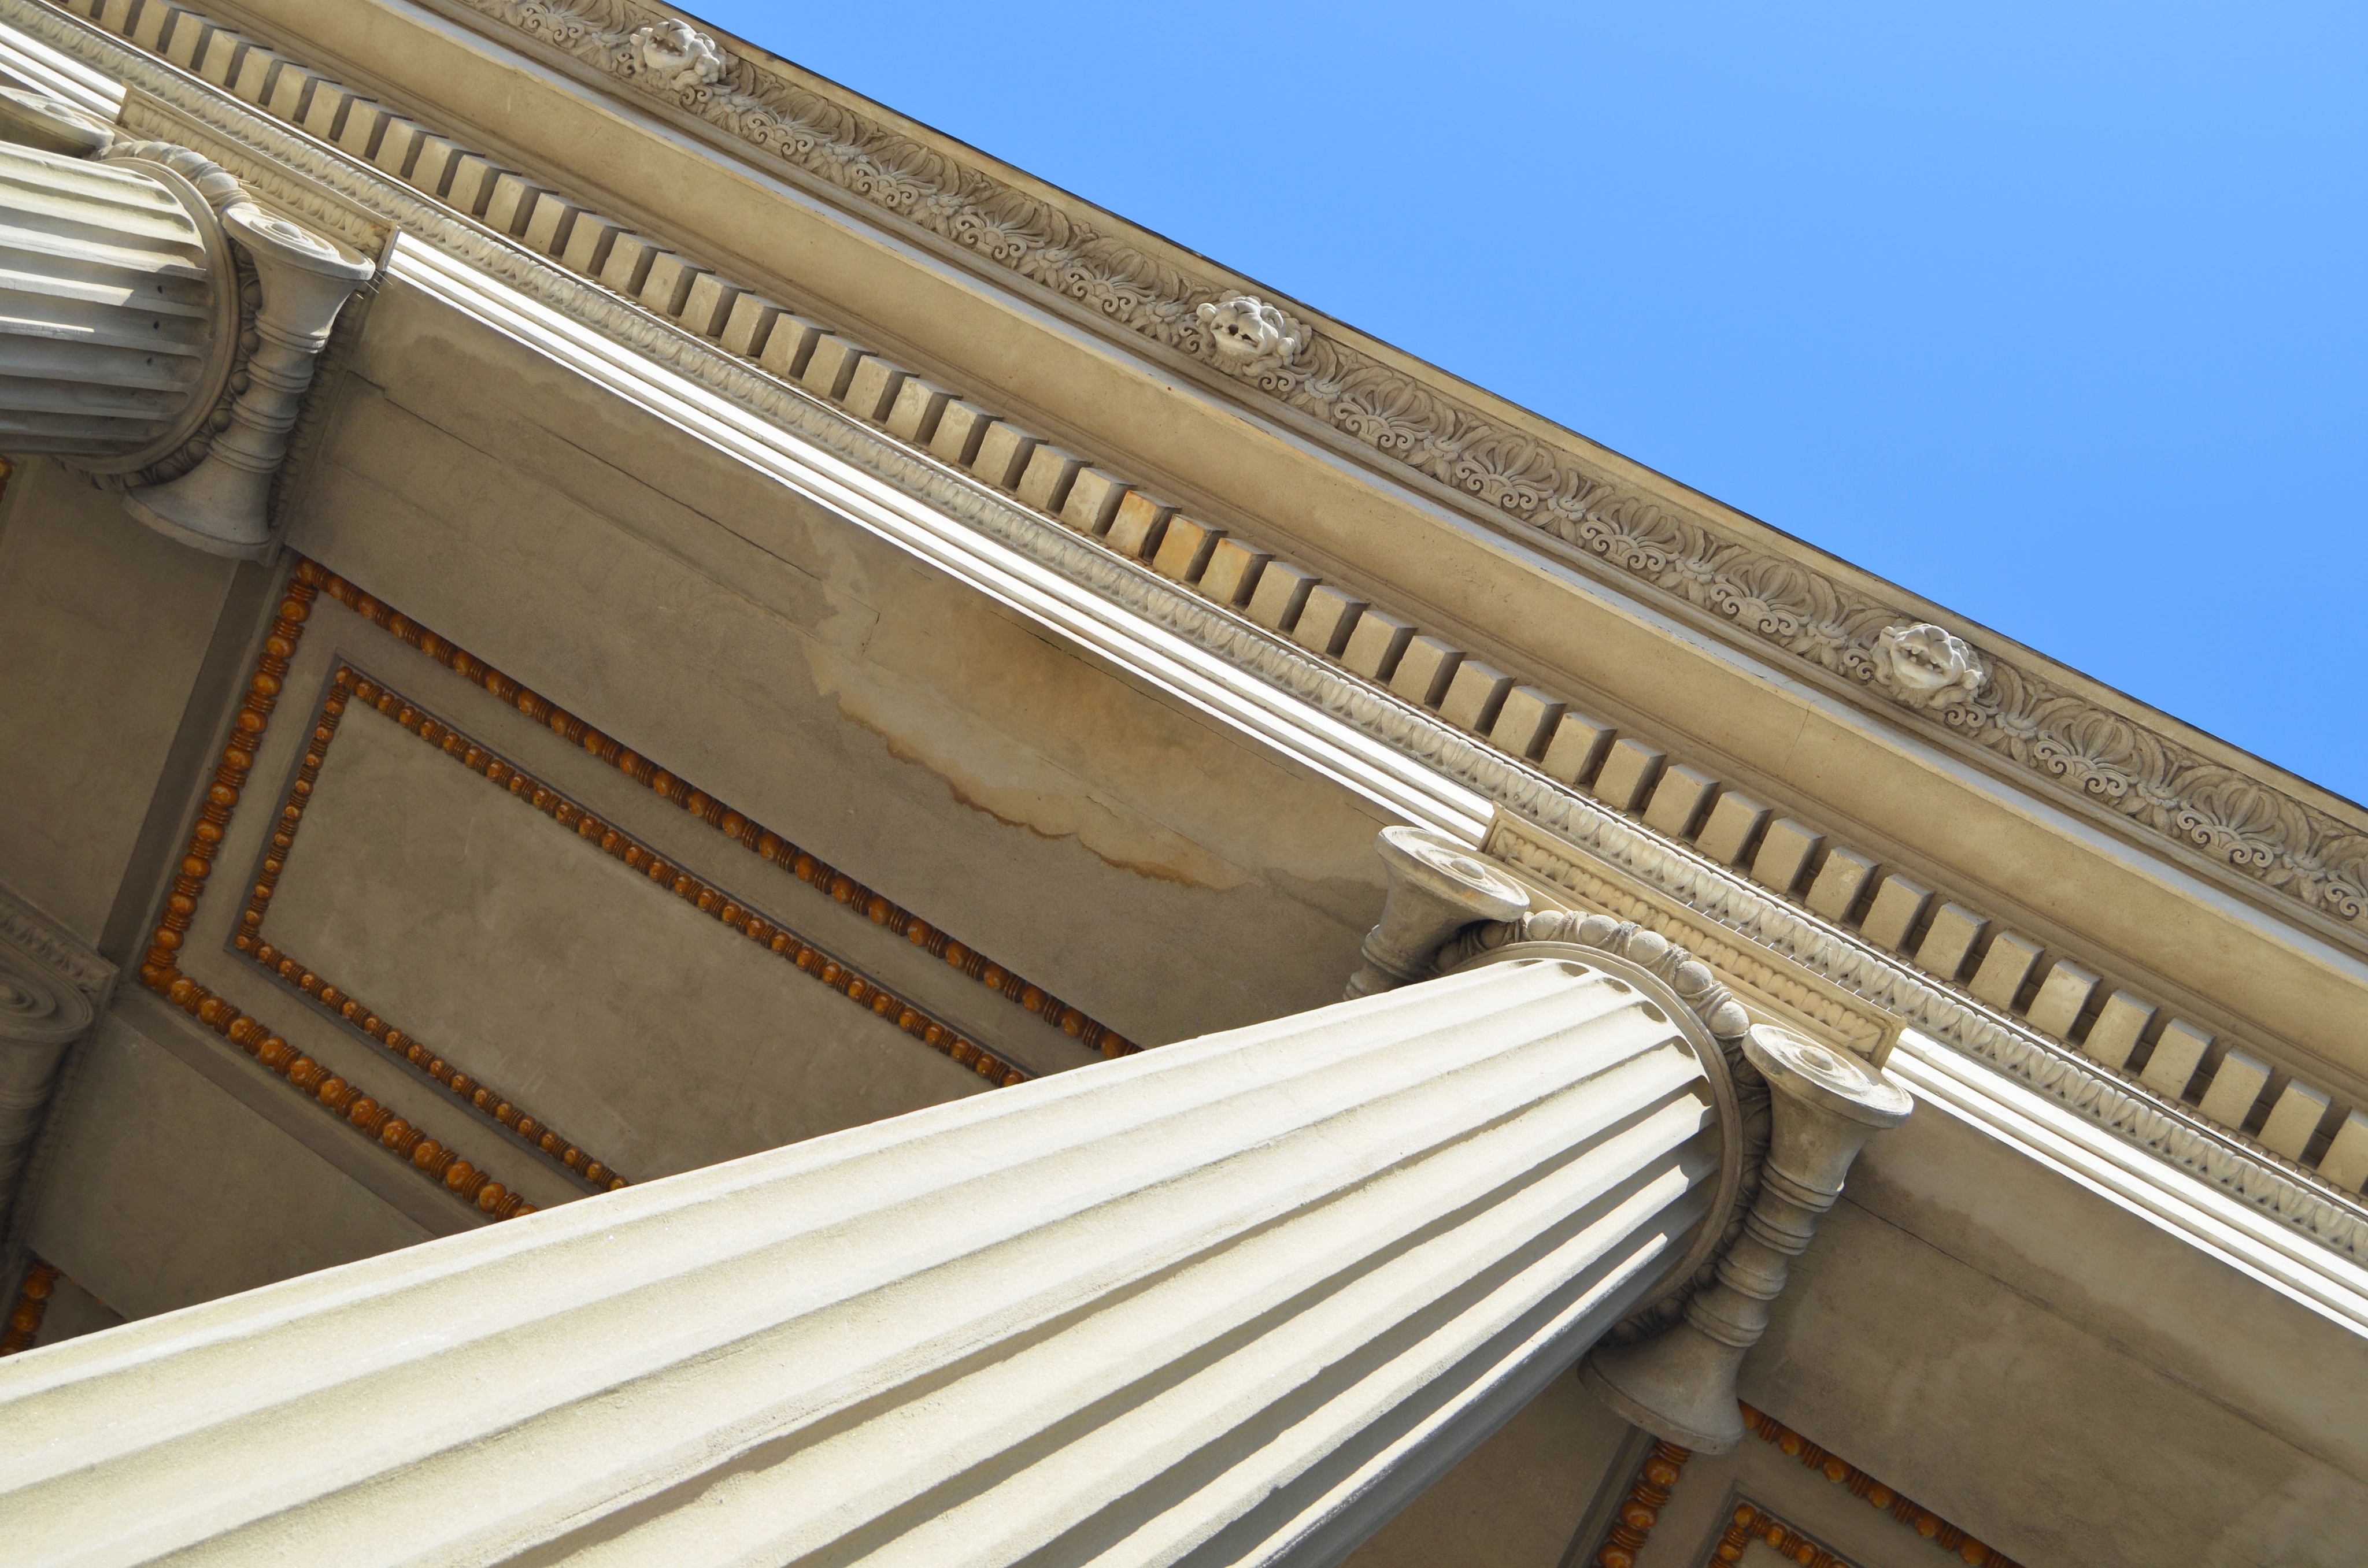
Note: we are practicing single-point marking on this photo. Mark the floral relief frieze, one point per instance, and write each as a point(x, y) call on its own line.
point(2057, 737)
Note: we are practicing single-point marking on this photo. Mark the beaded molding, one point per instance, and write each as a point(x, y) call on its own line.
point(750, 835)
point(160, 969)
point(32, 1305)
point(373, 1118)
point(1927, 1524)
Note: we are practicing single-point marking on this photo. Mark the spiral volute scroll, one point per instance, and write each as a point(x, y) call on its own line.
point(38, 1008)
point(41, 1013)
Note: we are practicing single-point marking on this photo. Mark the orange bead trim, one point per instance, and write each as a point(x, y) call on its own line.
point(33, 1295)
point(1749, 1522)
point(352, 688)
point(160, 969)
point(749, 834)
point(1633, 1524)
point(1922, 1520)
point(399, 1136)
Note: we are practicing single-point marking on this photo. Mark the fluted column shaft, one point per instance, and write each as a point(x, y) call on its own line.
point(116, 308)
point(1232, 1300)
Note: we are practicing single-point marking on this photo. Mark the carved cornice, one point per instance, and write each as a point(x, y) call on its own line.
point(266, 178)
point(2016, 713)
point(1455, 768)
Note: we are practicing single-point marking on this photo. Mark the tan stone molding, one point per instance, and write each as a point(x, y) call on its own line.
point(1393, 751)
point(2021, 714)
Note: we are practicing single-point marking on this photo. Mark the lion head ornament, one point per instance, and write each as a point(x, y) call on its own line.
point(674, 55)
point(1250, 335)
point(1925, 666)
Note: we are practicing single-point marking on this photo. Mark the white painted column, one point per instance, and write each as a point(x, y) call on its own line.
point(1231, 1300)
point(119, 308)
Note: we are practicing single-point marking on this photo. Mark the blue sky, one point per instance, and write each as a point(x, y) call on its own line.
point(2056, 314)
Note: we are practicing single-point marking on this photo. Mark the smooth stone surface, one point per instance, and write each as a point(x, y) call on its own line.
point(164, 1191)
point(92, 685)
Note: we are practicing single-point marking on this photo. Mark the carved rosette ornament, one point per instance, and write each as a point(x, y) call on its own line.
point(1926, 667)
point(675, 56)
point(159, 328)
point(1251, 338)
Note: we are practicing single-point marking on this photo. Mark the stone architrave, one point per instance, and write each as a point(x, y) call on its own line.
point(1231, 1300)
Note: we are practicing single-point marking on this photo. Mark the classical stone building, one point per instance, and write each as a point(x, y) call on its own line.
point(692, 778)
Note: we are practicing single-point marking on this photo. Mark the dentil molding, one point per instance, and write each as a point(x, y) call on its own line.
point(2200, 807)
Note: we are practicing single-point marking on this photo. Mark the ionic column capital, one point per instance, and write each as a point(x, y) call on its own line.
point(1825, 1103)
point(129, 327)
point(1436, 888)
point(51, 991)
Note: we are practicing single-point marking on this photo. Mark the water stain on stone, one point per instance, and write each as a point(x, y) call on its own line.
point(1065, 811)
